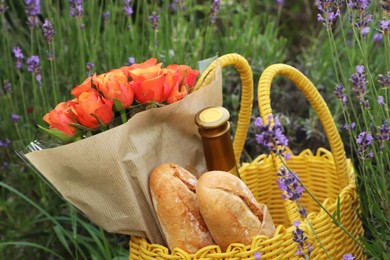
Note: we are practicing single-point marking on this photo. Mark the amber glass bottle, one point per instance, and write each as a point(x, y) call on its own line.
point(214, 129)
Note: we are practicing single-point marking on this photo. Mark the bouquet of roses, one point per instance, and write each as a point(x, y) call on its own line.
point(105, 176)
point(99, 97)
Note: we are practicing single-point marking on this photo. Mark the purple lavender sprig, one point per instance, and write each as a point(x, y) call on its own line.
point(257, 255)
point(364, 142)
point(18, 56)
point(76, 8)
point(339, 92)
point(348, 257)
point(384, 81)
point(4, 166)
point(279, 3)
point(48, 31)
point(329, 10)
point(7, 86)
point(381, 101)
point(3, 7)
point(130, 61)
point(15, 118)
point(383, 135)
point(5, 143)
point(289, 185)
point(359, 85)
point(154, 20)
point(377, 37)
point(384, 25)
point(106, 15)
point(271, 137)
point(362, 18)
point(89, 67)
point(174, 5)
point(301, 239)
point(215, 8)
point(33, 66)
point(33, 9)
point(127, 8)
point(359, 4)
point(349, 127)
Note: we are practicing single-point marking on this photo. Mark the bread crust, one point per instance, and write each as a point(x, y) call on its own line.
point(229, 209)
point(173, 190)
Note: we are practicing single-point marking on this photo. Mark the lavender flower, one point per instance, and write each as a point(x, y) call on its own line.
point(359, 81)
point(377, 37)
point(154, 20)
point(18, 55)
point(364, 103)
point(89, 67)
point(383, 135)
point(362, 19)
point(279, 3)
point(289, 185)
point(350, 127)
point(4, 166)
point(76, 8)
point(339, 92)
point(127, 8)
point(3, 7)
point(381, 101)
point(5, 143)
point(300, 238)
point(348, 257)
point(33, 9)
point(7, 86)
point(33, 66)
point(131, 61)
point(384, 81)
point(216, 6)
point(15, 118)
point(48, 31)
point(175, 3)
point(106, 16)
point(384, 24)
point(272, 138)
point(328, 12)
point(385, 6)
point(364, 141)
point(257, 255)
point(359, 4)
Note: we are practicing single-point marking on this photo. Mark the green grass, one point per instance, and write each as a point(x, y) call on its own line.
point(38, 223)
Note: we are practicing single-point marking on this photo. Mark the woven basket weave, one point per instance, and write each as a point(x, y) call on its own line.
point(327, 174)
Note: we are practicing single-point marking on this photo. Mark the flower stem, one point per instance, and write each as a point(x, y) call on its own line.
point(336, 222)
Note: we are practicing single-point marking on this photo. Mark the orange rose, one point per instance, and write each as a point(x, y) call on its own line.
point(114, 85)
point(151, 84)
point(60, 118)
point(89, 106)
point(184, 79)
point(149, 63)
point(83, 87)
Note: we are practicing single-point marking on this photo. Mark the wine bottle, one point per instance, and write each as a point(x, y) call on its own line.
point(214, 129)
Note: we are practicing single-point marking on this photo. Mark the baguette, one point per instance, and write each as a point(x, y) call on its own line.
point(172, 190)
point(229, 209)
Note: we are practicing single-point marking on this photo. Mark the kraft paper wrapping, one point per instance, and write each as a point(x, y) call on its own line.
point(105, 176)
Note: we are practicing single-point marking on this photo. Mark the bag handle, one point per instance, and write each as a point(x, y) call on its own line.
point(316, 101)
point(243, 68)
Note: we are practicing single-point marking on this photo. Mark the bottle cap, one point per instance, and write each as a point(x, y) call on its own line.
point(212, 117)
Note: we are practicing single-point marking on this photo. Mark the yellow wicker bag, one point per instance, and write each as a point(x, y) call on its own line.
point(327, 174)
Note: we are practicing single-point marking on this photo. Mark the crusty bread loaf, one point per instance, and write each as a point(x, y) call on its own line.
point(229, 209)
point(172, 190)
